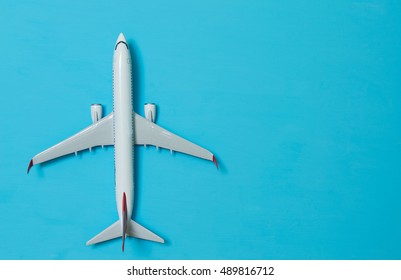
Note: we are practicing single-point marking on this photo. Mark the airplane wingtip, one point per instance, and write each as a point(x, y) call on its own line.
point(29, 166)
point(215, 162)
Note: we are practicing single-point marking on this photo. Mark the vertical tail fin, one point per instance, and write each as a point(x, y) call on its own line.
point(124, 218)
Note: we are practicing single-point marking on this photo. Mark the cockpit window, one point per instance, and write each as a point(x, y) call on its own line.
point(120, 43)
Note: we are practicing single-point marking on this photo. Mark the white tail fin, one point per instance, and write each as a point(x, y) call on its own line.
point(134, 229)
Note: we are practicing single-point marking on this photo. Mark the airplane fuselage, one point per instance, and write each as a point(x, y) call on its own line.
point(123, 128)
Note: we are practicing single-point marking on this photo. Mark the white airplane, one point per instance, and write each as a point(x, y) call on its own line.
point(122, 128)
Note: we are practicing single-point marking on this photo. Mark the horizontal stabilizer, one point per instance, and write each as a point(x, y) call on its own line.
point(134, 230)
point(138, 231)
point(111, 232)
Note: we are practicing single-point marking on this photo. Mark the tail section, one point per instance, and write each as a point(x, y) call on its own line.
point(133, 229)
point(125, 227)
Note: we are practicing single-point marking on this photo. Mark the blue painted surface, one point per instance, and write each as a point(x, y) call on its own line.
point(299, 101)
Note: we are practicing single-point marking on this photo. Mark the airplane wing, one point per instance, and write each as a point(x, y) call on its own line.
point(98, 134)
point(101, 134)
point(148, 133)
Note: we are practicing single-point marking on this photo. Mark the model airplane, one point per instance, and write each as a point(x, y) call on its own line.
point(122, 128)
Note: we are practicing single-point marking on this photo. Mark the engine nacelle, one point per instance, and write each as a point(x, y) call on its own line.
point(150, 112)
point(96, 112)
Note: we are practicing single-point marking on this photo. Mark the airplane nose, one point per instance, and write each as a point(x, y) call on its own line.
point(121, 40)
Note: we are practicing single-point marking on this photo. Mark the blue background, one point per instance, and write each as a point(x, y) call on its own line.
point(299, 100)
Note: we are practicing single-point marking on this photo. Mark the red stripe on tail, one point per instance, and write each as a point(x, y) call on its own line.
point(124, 213)
point(124, 203)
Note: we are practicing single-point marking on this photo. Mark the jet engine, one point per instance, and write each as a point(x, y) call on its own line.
point(96, 112)
point(150, 112)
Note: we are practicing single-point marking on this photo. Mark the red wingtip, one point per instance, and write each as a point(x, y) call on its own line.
point(29, 167)
point(215, 162)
